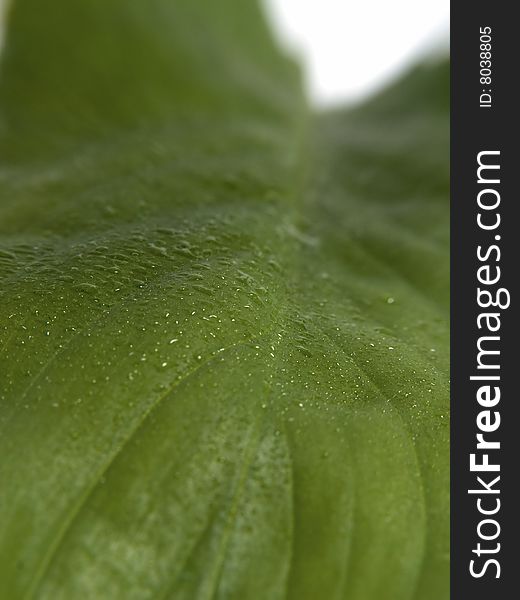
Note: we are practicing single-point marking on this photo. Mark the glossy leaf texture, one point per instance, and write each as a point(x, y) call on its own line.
point(224, 319)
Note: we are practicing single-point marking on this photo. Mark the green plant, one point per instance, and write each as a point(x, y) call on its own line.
point(223, 319)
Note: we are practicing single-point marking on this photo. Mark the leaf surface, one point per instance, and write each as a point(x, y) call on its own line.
point(224, 320)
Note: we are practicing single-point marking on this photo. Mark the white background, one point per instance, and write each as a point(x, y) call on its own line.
point(350, 48)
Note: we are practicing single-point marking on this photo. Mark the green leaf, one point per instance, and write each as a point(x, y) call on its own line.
point(223, 322)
